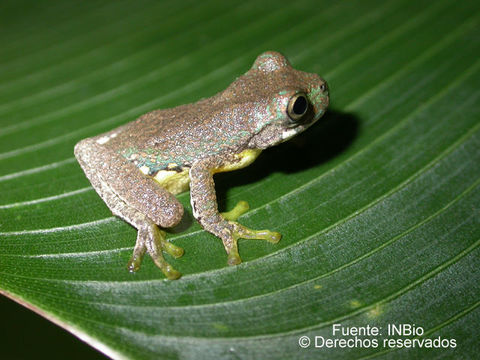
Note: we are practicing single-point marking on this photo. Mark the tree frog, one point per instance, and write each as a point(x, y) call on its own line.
point(137, 168)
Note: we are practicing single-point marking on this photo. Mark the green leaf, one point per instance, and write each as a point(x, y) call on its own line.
point(377, 203)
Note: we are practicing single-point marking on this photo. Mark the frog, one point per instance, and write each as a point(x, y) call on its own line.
point(139, 167)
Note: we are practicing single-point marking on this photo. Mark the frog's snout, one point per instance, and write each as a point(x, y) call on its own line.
point(319, 98)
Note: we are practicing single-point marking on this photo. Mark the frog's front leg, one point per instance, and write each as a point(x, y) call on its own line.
point(205, 209)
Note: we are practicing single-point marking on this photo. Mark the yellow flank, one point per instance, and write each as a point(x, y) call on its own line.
point(245, 158)
point(175, 182)
point(178, 182)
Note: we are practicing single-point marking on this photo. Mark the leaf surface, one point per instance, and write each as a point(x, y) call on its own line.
point(377, 203)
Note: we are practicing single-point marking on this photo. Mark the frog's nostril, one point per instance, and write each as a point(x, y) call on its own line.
point(324, 88)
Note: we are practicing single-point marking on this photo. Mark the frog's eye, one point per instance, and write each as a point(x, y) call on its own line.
point(297, 106)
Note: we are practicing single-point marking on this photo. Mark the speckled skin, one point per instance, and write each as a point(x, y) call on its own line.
point(197, 140)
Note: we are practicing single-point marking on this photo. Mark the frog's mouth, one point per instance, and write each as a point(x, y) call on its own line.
point(287, 134)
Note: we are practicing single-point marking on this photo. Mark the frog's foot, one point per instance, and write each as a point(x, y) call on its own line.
point(150, 238)
point(239, 231)
point(241, 208)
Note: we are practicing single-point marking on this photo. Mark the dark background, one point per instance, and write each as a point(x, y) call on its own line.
point(26, 335)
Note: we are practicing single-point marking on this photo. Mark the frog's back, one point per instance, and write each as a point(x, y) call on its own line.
point(177, 137)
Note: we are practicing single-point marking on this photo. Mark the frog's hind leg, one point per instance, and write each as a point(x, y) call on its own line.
point(205, 210)
point(115, 185)
point(150, 238)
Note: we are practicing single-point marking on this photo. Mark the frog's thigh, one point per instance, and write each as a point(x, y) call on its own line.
point(116, 179)
point(149, 237)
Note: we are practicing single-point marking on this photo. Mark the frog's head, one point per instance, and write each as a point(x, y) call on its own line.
point(293, 100)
